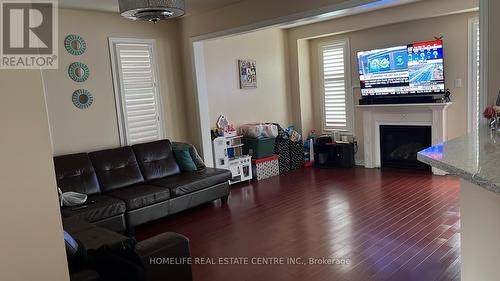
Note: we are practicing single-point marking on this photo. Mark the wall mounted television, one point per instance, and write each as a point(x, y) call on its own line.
point(414, 70)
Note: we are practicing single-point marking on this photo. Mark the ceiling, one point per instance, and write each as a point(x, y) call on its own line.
point(192, 6)
point(199, 6)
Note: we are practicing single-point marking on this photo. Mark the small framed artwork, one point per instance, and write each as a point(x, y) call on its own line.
point(248, 74)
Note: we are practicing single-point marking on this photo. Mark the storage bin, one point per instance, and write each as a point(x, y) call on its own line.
point(265, 168)
point(258, 148)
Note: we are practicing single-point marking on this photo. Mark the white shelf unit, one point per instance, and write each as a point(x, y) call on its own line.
point(228, 154)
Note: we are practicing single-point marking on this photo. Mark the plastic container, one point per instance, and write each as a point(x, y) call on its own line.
point(265, 168)
point(258, 148)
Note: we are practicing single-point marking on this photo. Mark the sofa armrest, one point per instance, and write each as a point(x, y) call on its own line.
point(165, 256)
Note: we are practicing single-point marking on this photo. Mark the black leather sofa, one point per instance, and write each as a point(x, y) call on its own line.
point(164, 246)
point(133, 185)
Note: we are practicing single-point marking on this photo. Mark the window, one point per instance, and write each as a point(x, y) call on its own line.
point(474, 59)
point(337, 107)
point(136, 90)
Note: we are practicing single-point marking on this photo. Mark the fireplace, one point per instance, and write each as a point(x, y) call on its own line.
point(433, 115)
point(399, 146)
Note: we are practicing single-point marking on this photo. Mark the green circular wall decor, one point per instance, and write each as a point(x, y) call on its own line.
point(75, 44)
point(78, 71)
point(82, 98)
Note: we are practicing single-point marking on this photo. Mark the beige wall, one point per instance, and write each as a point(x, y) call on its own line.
point(420, 10)
point(31, 243)
point(479, 228)
point(237, 18)
point(25, 132)
point(76, 130)
point(97, 125)
point(305, 87)
point(242, 16)
point(249, 12)
point(493, 71)
point(269, 101)
point(453, 28)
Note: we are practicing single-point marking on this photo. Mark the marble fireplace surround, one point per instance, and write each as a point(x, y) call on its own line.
point(420, 114)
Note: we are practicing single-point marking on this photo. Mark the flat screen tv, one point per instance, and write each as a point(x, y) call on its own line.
point(412, 70)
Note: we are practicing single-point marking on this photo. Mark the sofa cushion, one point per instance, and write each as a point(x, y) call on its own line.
point(139, 196)
point(186, 183)
point(156, 159)
point(116, 168)
point(99, 207)
point(75, 173)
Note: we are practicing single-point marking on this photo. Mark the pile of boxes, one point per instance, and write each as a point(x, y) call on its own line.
point(273, 156)
point(265, 163)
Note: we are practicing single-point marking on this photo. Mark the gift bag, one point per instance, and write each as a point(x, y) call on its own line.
point(296, 155)
point(282, 148)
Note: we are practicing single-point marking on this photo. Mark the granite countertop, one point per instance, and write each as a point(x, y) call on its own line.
point(474, 157)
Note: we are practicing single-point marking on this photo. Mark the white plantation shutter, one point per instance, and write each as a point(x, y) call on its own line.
point(134, 69)
point(335, 85)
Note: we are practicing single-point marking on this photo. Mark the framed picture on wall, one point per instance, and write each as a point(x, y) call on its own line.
point(248, 74)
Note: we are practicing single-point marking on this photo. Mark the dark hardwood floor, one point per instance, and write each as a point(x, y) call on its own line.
point(385, 224)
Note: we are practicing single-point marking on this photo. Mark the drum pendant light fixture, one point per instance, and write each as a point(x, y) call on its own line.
point(152, 10)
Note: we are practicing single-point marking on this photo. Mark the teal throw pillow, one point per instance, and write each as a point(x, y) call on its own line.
point(184, 160)
point(192, 150)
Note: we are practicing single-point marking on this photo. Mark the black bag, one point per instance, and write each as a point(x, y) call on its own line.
point(118, 262)
point(282, 148)
point(296, 155)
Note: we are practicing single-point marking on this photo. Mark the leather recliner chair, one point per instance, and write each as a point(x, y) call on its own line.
point(152, 252)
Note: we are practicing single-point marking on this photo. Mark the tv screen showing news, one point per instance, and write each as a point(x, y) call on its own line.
point(415, 69)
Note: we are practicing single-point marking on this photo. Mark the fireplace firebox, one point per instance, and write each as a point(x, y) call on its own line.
point(399, 146)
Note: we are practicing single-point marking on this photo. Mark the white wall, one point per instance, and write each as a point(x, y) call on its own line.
point(269, 101)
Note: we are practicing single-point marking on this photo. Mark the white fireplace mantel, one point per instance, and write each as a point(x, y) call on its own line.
point(416, 114)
